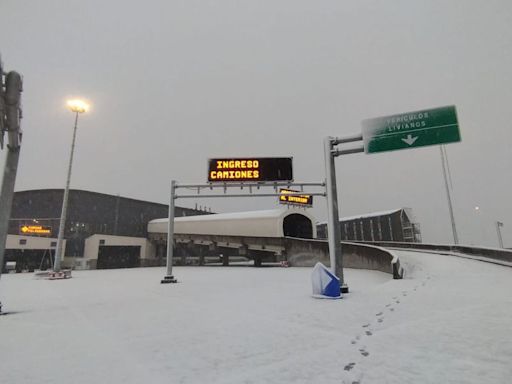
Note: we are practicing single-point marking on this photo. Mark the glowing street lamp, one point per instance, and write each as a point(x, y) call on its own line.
point(77, 106)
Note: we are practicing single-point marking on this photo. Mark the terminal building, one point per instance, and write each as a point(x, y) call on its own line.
point(102, 231)
point(396, 225)
point(109, 231)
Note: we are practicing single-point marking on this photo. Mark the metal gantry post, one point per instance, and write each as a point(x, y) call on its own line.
point(169, 278)
point(333, 222)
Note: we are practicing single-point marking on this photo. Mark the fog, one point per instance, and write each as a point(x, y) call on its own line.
point(173, 83)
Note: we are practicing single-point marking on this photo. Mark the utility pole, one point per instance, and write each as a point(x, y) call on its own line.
point(10, 116)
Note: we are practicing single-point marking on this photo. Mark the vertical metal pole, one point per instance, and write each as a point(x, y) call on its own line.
point(62, 225)
point(333, 222)
point(169, 278)
point(6, 196)
point(500, 239)
point(390, 229)
point(116, 218)
point(448, 196)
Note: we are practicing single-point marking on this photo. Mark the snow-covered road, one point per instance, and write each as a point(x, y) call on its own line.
point(449, 321)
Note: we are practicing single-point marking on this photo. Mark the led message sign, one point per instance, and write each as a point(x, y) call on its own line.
point(250, 169)
point(286, 198)
point(35, 229)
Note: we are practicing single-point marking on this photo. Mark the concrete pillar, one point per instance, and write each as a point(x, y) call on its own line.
point(201, 256)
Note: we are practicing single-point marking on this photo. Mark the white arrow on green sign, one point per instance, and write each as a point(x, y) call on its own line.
point(411, 130)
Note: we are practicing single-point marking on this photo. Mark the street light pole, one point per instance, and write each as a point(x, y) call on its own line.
point(77, 107)
point(444, 160)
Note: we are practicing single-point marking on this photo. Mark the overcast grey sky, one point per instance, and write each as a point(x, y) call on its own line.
point(173, 83)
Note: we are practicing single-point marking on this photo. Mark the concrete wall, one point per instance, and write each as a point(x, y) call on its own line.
point(306, 253)
point(32, 242)
point(299, 252)
point(92, 244)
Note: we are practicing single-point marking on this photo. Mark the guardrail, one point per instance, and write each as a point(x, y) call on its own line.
point(498, 254)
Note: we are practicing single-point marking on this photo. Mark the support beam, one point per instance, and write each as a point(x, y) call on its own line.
point(333, 221)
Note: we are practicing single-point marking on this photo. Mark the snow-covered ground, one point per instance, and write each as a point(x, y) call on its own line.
point(449, 321)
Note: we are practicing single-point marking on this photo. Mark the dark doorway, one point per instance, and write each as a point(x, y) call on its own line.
point(29, 259)
point(296, 225)
point(118, 256)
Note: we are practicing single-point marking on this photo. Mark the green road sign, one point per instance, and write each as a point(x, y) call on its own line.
point(410, 130)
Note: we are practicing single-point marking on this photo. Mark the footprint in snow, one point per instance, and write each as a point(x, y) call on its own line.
point(349, 366)
point(364, 352)
point(378, 314)
point(380, 319)
point(368, 333)
point(366, 325)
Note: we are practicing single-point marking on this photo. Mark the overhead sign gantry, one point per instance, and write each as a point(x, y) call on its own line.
point(388, 133)
point(250, 174)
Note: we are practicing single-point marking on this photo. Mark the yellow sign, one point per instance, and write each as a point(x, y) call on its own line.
point(37, 229)
point(286, 198)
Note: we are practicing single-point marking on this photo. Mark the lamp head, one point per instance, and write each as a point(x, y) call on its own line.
point(77, 105)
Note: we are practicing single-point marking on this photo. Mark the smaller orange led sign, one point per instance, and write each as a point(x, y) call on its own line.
point(286, 198)
point(37, 229)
